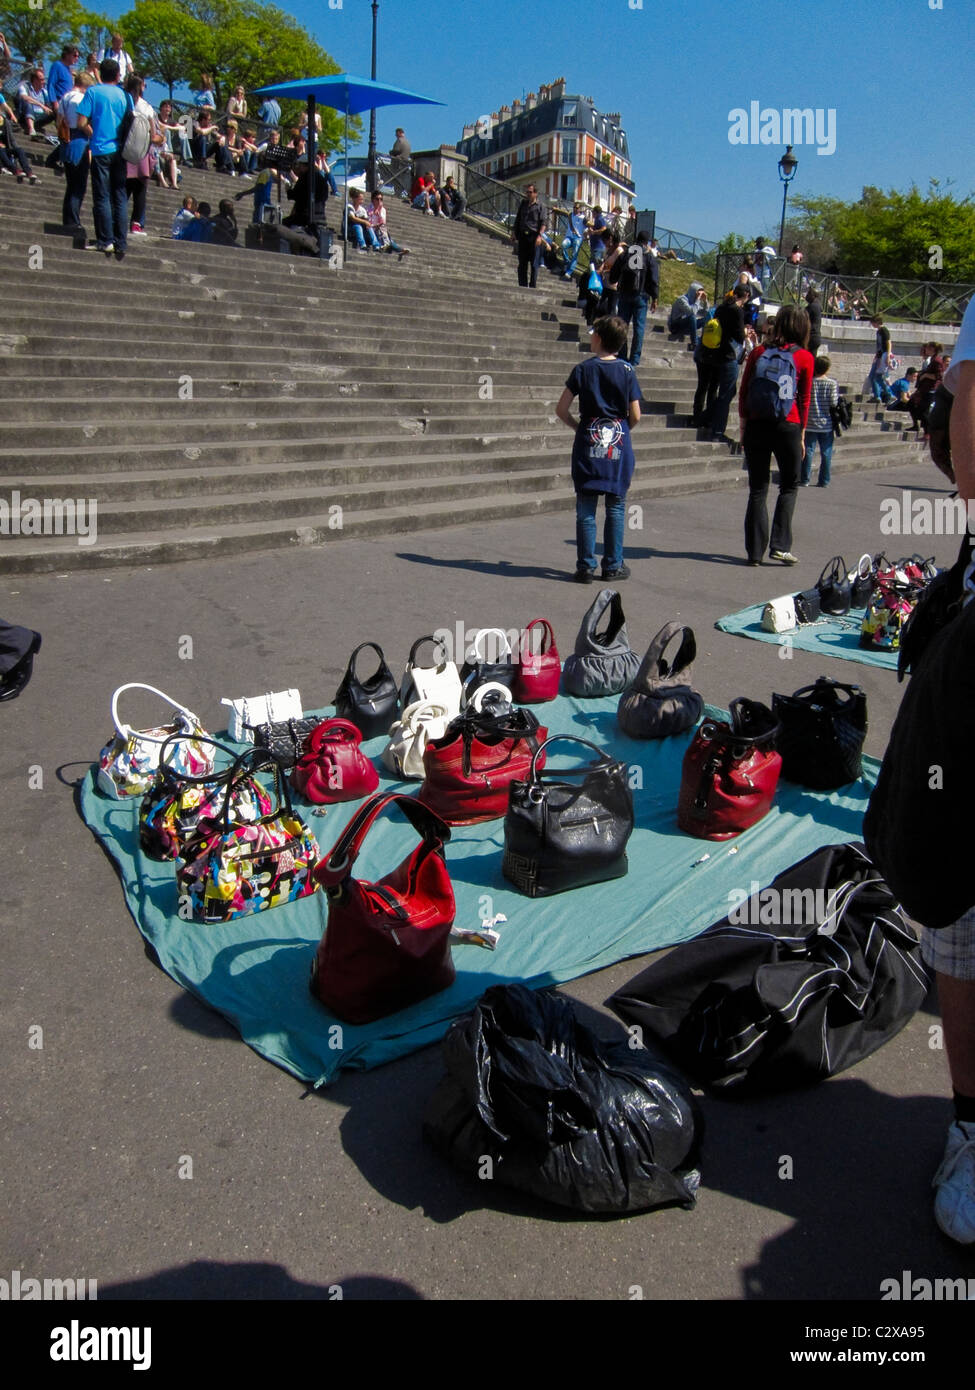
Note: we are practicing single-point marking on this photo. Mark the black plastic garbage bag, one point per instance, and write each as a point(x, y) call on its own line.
point(18, 646)
point(598, 1126)
point(801, 980)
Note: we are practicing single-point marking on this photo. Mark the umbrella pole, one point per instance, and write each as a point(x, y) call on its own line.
point(312, 170)
point(345, 210)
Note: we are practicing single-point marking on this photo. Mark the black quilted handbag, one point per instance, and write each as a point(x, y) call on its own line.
point(821, 732)
point(834, 588)
point(371, 705)
point(561, 834)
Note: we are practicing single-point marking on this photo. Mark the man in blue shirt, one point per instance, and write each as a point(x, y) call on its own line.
point(269, 112)
point(101, 111)
point(60, 80)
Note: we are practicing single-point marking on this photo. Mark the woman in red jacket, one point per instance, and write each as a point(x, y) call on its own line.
point(774, 404)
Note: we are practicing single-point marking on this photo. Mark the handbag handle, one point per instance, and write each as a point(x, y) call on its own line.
point(605, 599)
point(350, 669)
point(654, 659)
point(548, 641)
point(437, 642)
point(834, 569)
point(859, 573)
point(332, 731)
point(421, 709)
point(602, 759)
point(262, 758)
point(174, 739)
point(747, 714)
point(126, 729)
point(477, 655)
point(826, 684)
point(489, 688)
point(332, 871)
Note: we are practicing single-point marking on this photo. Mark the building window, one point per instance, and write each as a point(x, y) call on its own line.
point(568, 151)
point(569, 113)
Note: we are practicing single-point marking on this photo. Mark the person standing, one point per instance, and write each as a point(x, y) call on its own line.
point(815, 311)
point(877, 377)
point(77, 157)
point(723, 344)
point(402, 167)
point(116, 51)
point(819, 426)
point(269, 113)
point(101, 112)
point(632, 297)
point(527, 236)
point(137, 176)
point(602, 454)
point(60, 79)
point(776, 387)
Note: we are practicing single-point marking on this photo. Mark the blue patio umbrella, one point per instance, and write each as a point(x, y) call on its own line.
point(343, 92)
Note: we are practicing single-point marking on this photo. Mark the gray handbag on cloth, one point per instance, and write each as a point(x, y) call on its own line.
point(661, 700)
point(603, 662)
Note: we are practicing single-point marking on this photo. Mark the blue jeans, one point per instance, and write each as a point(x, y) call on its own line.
point(109, 201)
point(571, 246)
point(632, 308)
point(363, 236)
point(877, 381)
point(586, 503)
point(824, 438)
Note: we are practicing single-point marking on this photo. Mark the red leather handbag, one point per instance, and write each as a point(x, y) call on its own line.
point(467, 773)
point(730, 773)
point(332, 766)
point(539, 672)
point(386, 944)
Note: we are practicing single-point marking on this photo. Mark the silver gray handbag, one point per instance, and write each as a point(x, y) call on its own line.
point(661, 700)
point(603, 662)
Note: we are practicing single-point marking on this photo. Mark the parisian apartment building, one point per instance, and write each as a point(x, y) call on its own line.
point(561, 143)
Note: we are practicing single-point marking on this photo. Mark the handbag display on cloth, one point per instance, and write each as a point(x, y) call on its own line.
point(371, 705)
point(897, 589)
point(661, 701)
point(286, 739)
point(822, 728)
point(230, 870)
point(467, 772)
point(834, 588)
point(127, 764)
point(440, 683)
point(408, 738)
point(749, 1006)
point(538, 672)
point(172, 809)
point(575, 1118)
point(779, 614)
point(255, 711)
point(332, 766)
point(560, 834)
point(386, 944)
point(730, 773)
point(477, 670)
point(602, 663)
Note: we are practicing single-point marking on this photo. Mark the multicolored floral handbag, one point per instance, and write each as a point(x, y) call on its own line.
point(174, 806)
point(127, 765)
point(230, 870)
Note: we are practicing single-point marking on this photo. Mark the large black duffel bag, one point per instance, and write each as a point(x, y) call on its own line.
point(801, 980)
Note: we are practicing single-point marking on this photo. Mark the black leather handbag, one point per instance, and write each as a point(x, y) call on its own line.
point(559, 834)
point(821, 732)
point(834, 588)
point(285, 737)
point(371, 705)
point(661, 700)
point(807, 606)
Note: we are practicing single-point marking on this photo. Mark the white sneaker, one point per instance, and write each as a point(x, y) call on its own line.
point(954, 1205)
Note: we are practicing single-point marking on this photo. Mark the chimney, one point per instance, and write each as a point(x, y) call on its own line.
point(557, 88)
point(516, 107)
point(530, 101)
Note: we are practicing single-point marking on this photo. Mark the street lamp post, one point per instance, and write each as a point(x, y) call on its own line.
point(372, 114)
point(788, 165)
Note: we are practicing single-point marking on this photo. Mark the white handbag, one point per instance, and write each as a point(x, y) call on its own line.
point(251, 711)
point(439, 683)
point(127, 764)
point(421, 722)
point(780, 614)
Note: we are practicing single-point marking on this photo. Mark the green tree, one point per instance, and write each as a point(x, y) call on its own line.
point(162, 37)
point(34, 33)
point(896, 233)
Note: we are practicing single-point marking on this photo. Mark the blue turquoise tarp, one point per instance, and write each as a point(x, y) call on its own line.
point(829, 637)
point(254, 971)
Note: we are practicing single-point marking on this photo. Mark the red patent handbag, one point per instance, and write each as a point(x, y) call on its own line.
point(730, 773)
point(539, 672)
point(387, 944)
point(332, 766)
point(467, 773)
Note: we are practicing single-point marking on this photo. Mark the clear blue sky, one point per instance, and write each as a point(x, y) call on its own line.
point(896, 73)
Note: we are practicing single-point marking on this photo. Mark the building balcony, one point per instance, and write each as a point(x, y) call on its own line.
point(512, 171)
point(601, 167)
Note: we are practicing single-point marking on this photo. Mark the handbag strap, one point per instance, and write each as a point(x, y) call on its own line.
point(477, 655)
point(859, 572)
point(126, 729)
point(516, 724)
point(825, 686)
point(834, 570)
point(252, 761)
point(350, 669)
point(654, 662)
point(437, 642)
point(548, 641)
point(752, 723)
point(175, 739)
point(332, 731)
point(414, 715)
point(336, 867)
point(481, 693)
point(602, 759)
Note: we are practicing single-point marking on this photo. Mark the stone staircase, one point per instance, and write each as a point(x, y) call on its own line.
point(213, 400)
